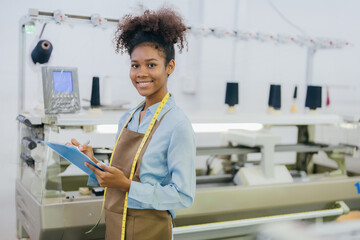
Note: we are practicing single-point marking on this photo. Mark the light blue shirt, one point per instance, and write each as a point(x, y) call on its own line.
point(167, 170)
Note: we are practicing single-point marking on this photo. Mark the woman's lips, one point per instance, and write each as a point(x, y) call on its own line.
point(143, 84)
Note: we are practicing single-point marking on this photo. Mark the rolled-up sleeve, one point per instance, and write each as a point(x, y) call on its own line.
point(180, 191)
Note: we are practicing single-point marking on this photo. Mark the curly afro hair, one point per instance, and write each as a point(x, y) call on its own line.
point(162, 28)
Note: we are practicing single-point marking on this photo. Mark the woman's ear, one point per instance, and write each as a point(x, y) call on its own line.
point(170, 67)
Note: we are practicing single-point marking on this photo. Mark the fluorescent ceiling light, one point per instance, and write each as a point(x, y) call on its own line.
point(223, 127)
point(198, 127)
point(108, 128)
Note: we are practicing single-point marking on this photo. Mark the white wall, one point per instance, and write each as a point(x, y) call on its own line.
point(207, 65)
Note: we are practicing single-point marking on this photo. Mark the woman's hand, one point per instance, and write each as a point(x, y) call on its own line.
point(85, 149)
point(113, 177)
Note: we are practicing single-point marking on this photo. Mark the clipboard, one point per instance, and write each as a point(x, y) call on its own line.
point(73, 155)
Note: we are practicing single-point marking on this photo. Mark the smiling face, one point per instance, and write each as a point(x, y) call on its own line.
point(149, 73)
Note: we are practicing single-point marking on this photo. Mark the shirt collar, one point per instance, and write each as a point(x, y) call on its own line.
point(169, 104)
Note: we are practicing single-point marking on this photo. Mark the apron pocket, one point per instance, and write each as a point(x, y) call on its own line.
point(113, 226)
point(149, 227)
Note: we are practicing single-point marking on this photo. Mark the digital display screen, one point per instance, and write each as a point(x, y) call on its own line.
point(63, 81)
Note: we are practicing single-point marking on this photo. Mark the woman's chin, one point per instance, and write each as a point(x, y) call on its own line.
point(143, 93)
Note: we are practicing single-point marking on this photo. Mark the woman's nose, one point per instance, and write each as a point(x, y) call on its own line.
point(142, 72)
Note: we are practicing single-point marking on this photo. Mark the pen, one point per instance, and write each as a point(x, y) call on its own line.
point(86, 143)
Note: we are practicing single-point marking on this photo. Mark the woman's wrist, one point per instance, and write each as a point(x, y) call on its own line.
point(126, 185)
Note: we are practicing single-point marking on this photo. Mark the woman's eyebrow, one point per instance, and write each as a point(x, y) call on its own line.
point(146, 60)
point(151, 59)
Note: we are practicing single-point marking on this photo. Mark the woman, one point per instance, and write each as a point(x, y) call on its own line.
point(163, 150)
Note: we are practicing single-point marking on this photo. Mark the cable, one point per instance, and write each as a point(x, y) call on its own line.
point(209, 161)
point(42, 31)
point(286, 19)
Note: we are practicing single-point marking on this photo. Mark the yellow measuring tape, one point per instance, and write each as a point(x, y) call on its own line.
point(148, 131)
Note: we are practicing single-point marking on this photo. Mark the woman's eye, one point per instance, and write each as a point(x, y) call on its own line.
point(134, 66)
point(151, 65)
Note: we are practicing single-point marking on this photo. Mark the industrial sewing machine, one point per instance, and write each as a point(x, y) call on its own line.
point(231, 200)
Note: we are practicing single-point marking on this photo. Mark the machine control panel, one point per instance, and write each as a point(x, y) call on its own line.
point(61, 90)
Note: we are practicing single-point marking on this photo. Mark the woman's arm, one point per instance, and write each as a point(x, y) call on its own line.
point(180, 192)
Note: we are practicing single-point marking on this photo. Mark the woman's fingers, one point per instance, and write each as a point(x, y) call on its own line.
point(93, 168)
point(75, 142)
point(107, 168)
point(112, 177)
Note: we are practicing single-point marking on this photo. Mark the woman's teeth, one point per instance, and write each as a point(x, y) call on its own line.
point(144, 83)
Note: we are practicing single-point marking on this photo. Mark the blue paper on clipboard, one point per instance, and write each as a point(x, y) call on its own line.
point(73, 155)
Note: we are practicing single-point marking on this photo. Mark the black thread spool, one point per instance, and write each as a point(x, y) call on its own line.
point(293, 108)
point(275, 97)
point(295, 93)
point(232, 95)
point(42, 52)
point(95, 93)
point(313, 97)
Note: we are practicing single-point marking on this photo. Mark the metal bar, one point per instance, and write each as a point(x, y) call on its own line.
point(267, 164)
point(51, 14)
point(78, 17)
point(309, 65)
point(307, 148)
point(201, 151)
point(261, 220)
point(214, 179)
point(21, 81)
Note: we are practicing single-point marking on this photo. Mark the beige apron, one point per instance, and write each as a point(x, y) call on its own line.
point(141, 224)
